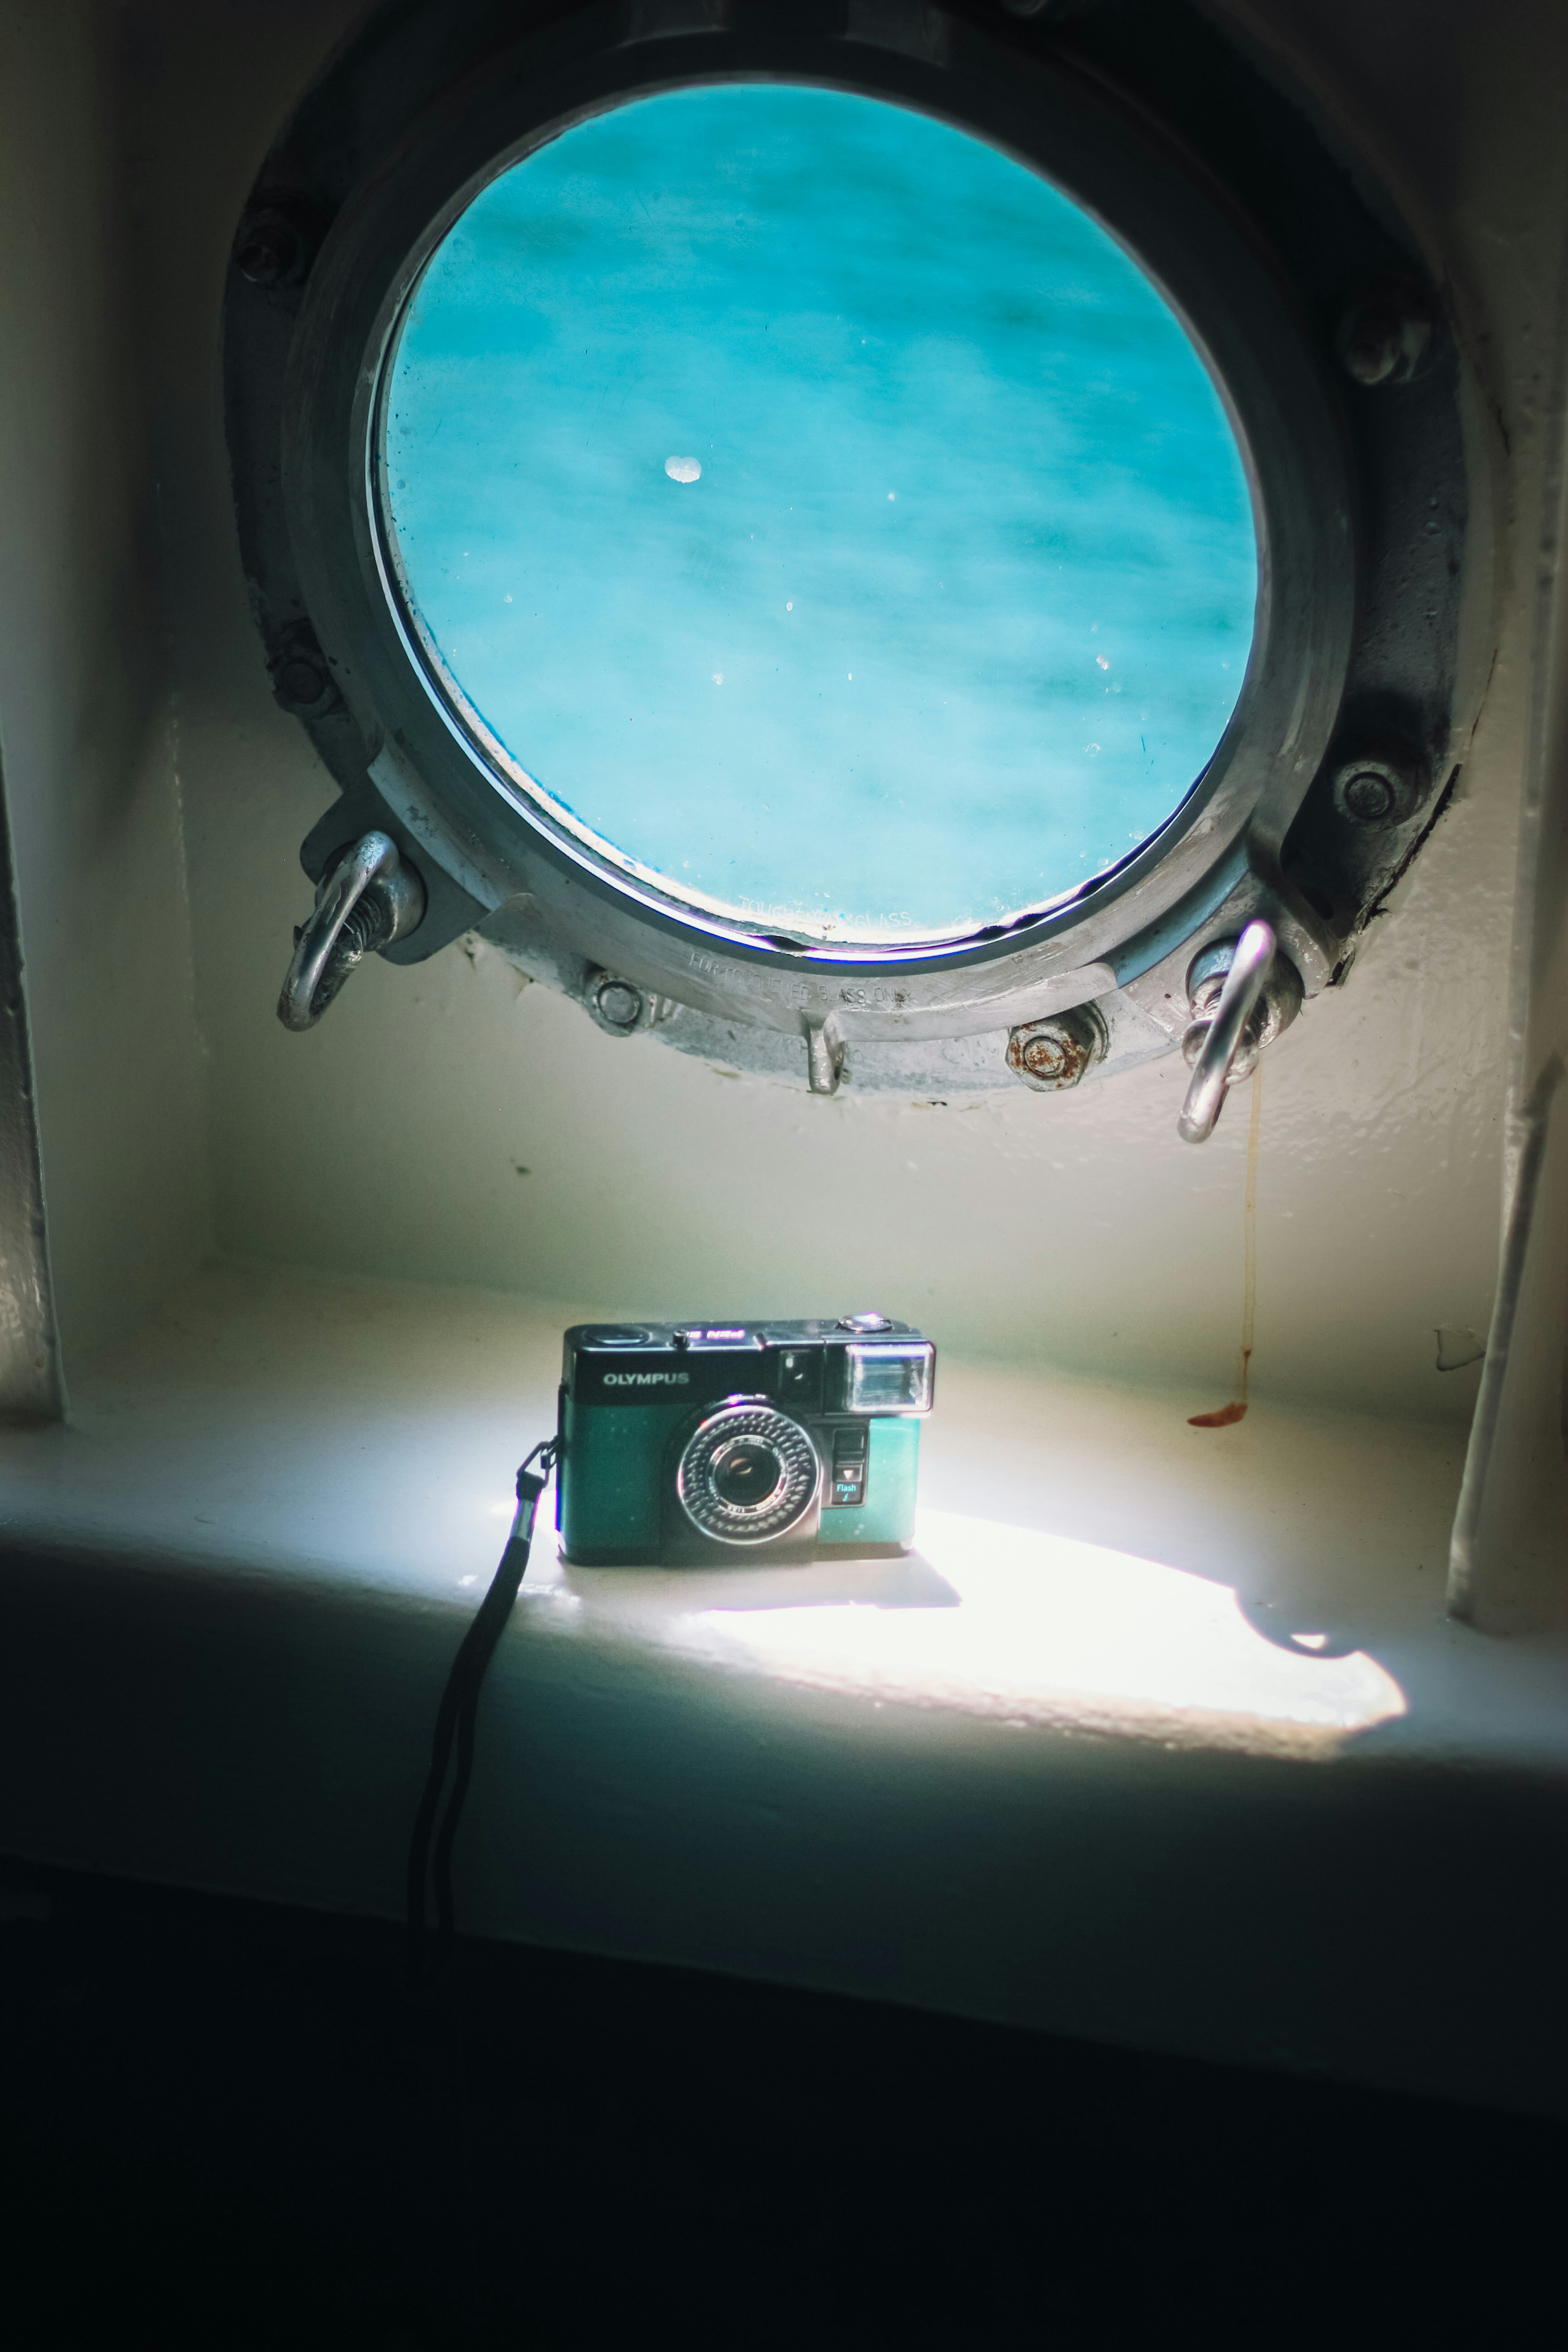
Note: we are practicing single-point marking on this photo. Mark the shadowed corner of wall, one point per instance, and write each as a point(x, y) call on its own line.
point(31, 1388)
point(1509, 1557)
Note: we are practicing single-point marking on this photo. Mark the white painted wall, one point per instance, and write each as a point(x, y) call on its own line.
point(1076, 1229)
point(89, 732)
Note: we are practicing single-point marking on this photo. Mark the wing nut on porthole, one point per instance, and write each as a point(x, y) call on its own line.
point(364, 902)
point(1052, 1056)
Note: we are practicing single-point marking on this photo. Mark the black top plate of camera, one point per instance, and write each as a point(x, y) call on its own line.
point(806, 1365)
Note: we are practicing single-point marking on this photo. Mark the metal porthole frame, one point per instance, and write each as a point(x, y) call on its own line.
point(307, 346)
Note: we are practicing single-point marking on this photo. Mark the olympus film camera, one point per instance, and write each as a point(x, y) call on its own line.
point(718, 1443)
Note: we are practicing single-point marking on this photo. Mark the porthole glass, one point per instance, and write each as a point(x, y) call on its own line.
point(816, 514)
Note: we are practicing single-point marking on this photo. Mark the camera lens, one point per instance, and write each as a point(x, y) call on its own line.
point(746, 1473)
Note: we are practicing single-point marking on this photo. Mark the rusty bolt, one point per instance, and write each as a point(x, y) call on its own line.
point(301, 674)
point(1052, 1056)
point(624, 1008)
point(301, 682)
point(277, 240)
point(615, 1005)
point(1388, 331)
point(1379, 788)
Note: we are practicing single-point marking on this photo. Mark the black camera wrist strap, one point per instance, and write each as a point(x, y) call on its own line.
point(435, 1825)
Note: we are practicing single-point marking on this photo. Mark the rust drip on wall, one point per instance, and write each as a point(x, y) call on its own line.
point(1229, 1414)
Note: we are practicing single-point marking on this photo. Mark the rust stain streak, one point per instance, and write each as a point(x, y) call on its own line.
point(1225, 1418)
point(1229, 1414)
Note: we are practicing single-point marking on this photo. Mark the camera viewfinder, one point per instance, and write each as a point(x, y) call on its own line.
point(800, 1377)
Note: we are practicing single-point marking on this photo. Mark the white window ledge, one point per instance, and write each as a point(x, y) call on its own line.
point(1161, 1736)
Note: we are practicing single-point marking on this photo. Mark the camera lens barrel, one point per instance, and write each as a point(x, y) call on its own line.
point(747, 1474)
point(746, 1470)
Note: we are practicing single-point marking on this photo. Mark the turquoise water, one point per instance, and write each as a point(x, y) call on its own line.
point(961, 597)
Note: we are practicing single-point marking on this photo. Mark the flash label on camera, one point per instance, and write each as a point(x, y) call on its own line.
point(849, 1462)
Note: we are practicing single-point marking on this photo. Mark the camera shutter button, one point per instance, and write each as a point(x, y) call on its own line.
point(869, 1321)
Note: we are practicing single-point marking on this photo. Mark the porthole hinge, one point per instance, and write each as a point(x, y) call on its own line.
point(824, 1054)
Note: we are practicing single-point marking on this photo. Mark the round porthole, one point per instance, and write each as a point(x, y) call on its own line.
point(847, 540)
point(814, 516)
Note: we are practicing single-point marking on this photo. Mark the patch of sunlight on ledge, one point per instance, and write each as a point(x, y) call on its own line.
point(1040, 1630)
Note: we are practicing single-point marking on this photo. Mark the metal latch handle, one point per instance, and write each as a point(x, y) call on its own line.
point(369, 898)
point(1244, 984)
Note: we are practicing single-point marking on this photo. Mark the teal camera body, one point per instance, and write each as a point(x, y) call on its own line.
point(692, 1444)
